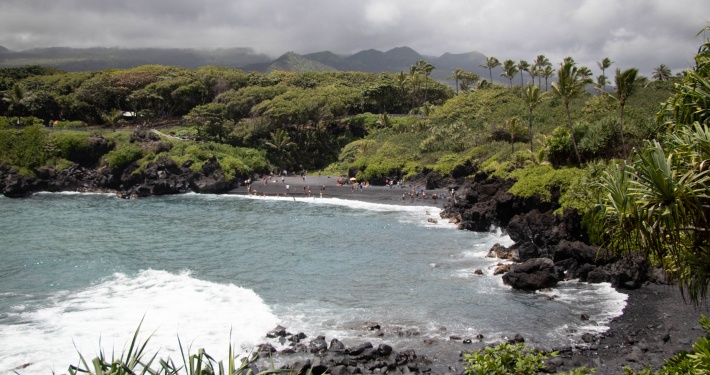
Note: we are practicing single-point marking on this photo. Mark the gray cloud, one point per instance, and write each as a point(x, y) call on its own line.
point(633, 33)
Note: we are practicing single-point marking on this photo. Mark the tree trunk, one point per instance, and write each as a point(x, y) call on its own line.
point(571, 131)
point(621, 128)
point(530, 128)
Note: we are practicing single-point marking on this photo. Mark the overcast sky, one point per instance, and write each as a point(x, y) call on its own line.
point(632, 33)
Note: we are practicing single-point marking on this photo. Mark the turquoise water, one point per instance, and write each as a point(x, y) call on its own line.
point(85, 269)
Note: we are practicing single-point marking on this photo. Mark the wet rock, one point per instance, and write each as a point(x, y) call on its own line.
point(279, 331)
point(384, 350)
point(317, 345)
point(532, 275)
point(502, 269)
point(359, 349)
point(336, 346)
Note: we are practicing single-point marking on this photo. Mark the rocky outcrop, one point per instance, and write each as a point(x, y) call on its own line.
point(533, 274)
point(336, 358)
point(541, 233)
point(89, 173)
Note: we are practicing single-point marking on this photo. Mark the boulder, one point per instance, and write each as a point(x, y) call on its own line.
point(502, 269)
point(500, 251)
point(532, 275)
point(630, 272)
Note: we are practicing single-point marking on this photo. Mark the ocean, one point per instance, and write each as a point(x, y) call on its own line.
point(80, 272)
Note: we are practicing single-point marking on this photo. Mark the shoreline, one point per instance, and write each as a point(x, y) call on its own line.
point(331, 189)
point(654, 325)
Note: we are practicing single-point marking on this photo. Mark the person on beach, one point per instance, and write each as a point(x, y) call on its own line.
point(287, 187)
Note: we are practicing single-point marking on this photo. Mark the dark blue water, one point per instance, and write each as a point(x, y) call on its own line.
point(87, 268)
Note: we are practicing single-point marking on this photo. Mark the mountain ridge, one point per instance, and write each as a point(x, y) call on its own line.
point(370, 60)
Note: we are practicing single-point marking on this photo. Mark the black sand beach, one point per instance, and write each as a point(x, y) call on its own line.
point(656, 324)
point(347, 190)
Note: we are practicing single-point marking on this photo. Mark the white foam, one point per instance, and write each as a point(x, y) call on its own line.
point(76, 193)
point(200, 313)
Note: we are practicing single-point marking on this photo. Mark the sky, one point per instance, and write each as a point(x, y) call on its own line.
point(632, 33)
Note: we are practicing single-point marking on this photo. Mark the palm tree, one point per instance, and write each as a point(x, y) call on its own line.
point(523, 66)
point(547, 73)
point(601, 82)
point(585, 72)
point(281, 144)
point(468, 79)
point(456, 75)
point(625, 85)
point(513, 128)
point(509, 71)
point(570, 83)
point(15, 97)
point(414, 82)
point(604, 65)
point(532, 97)
point(540, 63)
point(111, 118)
point(424, 67)
point(491, 62)
point(401, 80)
point(662, 73)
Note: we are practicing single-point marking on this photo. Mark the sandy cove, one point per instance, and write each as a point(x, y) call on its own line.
point(656, 324)
point(331, 189)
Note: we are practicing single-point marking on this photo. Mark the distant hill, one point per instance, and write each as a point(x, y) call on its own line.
point(371, 60)
point(293, 62)
point(82, 59)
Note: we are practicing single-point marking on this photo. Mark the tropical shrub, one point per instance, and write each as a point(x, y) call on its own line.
point(542, 180)
point(123, 156)
point(24, 148)
point(505, 359)
point(137, 361)
point(69, 144)
point(659, 202)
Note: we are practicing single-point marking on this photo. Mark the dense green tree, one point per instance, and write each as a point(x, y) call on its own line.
point(570, 83)
point(384, 94)
point(209, 120)
point(491, 62)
